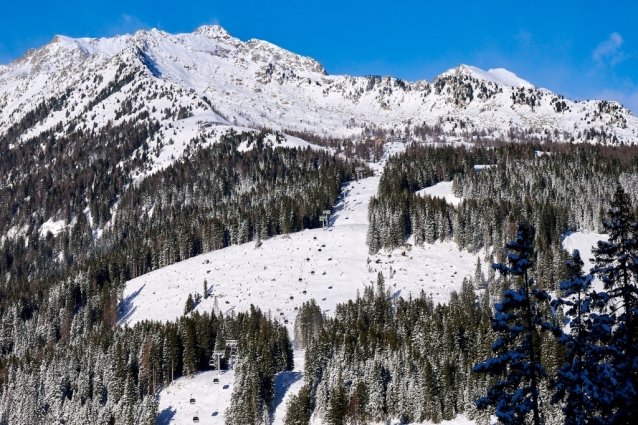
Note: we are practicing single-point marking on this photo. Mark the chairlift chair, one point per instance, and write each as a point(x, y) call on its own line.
point(305, 292)
point(215, 380)
point(192, 400)
point(196, 417)
point(211, 363)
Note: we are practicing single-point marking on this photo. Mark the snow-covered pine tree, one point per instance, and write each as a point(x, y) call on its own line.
point(479, 276)
point(617, 266)
point(517, 361)
point(572, 382)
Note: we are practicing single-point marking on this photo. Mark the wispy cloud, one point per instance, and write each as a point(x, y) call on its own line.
point(610, 51)
point(126, 24)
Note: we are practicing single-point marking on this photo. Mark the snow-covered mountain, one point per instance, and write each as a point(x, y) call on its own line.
point(214, 77)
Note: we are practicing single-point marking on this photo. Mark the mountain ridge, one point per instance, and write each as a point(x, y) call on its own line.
point(257, 84)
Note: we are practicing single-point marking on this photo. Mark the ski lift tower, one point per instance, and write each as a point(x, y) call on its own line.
point(360, 172)
point(232, 346)
point(218, 354)
point(324, 220)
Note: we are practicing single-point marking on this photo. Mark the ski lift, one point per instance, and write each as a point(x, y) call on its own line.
point(308, 259)
point(319, 249)
point(292, 298)
point(296, 308)
point(211, 363)
point(315, 238)
point(286, 321)
point(300, 279)
point(192, 400)
point(215, 380)
point(196, 417)
point(281, 314)
point(304, 292)
point(312, 272)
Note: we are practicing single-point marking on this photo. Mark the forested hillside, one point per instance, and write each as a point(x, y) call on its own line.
point(61, 347)
point(124, 158)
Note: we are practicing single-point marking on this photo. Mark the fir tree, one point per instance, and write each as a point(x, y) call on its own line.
point(190, 304)
point(517, 319)
point(573, 382)
point(617, 324)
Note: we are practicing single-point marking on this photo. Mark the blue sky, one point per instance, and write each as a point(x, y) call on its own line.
point(581, 49)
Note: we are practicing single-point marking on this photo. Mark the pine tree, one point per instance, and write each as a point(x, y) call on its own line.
point(190, 304)
point(572, 381)
point(517, 318)
point(338, 409)
point(479, 276)
point(617, 324)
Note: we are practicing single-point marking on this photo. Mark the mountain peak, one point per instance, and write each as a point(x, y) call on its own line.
point(496, 75)
point(212, 31)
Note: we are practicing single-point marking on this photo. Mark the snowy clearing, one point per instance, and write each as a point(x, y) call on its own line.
point(441, 190)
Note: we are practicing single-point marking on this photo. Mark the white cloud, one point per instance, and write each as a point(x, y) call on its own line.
point(609, 51)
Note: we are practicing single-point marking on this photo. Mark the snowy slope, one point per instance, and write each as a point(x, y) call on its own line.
point(270, 275)
point(212, 400)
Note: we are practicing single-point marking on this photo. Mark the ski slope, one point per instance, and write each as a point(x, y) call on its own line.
point(212, 400)
point(330, 265)
point(275, 276)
